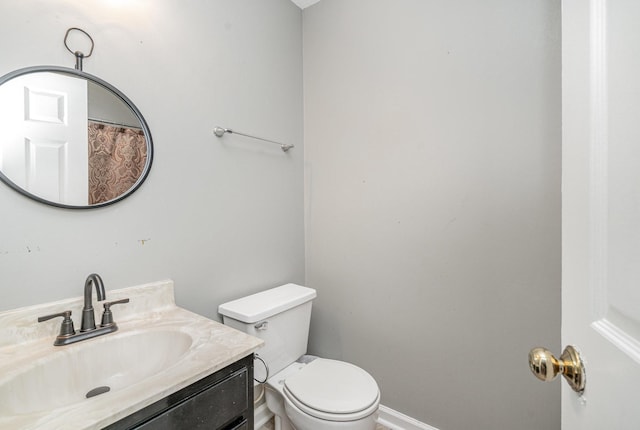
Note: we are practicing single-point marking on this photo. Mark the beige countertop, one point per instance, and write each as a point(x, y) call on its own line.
point(26, 344)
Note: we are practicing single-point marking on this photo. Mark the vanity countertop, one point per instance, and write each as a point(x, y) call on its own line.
point(24, 343)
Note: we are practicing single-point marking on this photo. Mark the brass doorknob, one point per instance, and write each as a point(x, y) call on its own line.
point(546, 367)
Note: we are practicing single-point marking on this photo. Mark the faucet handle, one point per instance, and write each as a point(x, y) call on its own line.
point(66, 329)
point(107, 316)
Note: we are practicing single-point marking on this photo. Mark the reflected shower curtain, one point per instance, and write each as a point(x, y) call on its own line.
point(117, 156)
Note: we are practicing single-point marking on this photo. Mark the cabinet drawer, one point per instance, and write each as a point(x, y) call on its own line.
point(211, 408)
point(244, 425)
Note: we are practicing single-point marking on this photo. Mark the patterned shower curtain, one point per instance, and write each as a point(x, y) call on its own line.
point(117, 156)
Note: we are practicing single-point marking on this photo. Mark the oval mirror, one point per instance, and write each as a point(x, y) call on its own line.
point(70, 139)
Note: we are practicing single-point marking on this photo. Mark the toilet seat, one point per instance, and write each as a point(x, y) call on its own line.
point(333, 390)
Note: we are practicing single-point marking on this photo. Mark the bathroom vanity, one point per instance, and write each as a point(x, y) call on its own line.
point(222, 401)
point(165, 368)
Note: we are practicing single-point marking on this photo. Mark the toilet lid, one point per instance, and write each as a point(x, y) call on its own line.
point(333, 387)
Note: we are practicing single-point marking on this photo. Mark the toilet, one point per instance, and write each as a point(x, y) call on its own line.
point(304, 392)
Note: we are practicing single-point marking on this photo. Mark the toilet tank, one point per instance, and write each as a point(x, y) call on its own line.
point(279, 316)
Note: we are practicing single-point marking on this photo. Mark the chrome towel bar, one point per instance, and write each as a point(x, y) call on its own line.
point(219, 131)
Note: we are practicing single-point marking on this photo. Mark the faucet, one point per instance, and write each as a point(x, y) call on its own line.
point(88, 317)
point(88, 330)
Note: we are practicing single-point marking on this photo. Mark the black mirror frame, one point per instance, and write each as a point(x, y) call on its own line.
point(118, 94)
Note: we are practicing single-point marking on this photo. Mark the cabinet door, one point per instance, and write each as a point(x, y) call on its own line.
point(213, 408)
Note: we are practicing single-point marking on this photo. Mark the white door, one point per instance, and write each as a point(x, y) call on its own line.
point(601, 210)
point(44, 137)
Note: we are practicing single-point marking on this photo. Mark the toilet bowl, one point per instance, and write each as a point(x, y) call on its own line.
point(304, 392)
point(331, 394)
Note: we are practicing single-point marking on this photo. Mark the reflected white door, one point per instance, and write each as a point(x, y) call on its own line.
point(601, 210)
point(44, 137)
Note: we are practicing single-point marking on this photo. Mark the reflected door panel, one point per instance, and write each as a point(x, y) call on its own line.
point(45, 140)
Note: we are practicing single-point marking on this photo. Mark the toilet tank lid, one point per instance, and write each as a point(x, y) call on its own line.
point(265, 304)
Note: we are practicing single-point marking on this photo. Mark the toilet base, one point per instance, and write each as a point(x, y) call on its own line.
point(282, 424)
point(275, 403)
point(303, 421)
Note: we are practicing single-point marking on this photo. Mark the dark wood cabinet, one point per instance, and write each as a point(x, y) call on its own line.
point(221, 401)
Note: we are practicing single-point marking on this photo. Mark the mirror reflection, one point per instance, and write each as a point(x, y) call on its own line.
point(69, 139)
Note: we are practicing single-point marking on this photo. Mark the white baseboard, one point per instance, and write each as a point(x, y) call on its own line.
point(397, 421)
point(389, 418)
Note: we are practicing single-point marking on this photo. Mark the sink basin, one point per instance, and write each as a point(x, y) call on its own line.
point(101, 365)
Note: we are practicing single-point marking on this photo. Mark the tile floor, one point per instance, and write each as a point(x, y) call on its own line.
point(267, 426)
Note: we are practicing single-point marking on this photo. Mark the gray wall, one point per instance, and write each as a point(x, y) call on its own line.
point(432, 163)
point(222, 218)
point(432, 181)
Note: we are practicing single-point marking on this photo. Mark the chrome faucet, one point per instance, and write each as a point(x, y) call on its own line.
point(88, 317)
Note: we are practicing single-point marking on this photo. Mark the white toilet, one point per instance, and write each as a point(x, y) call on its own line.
point(304, 392)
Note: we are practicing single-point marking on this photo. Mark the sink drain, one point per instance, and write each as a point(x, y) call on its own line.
point(97, 391)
